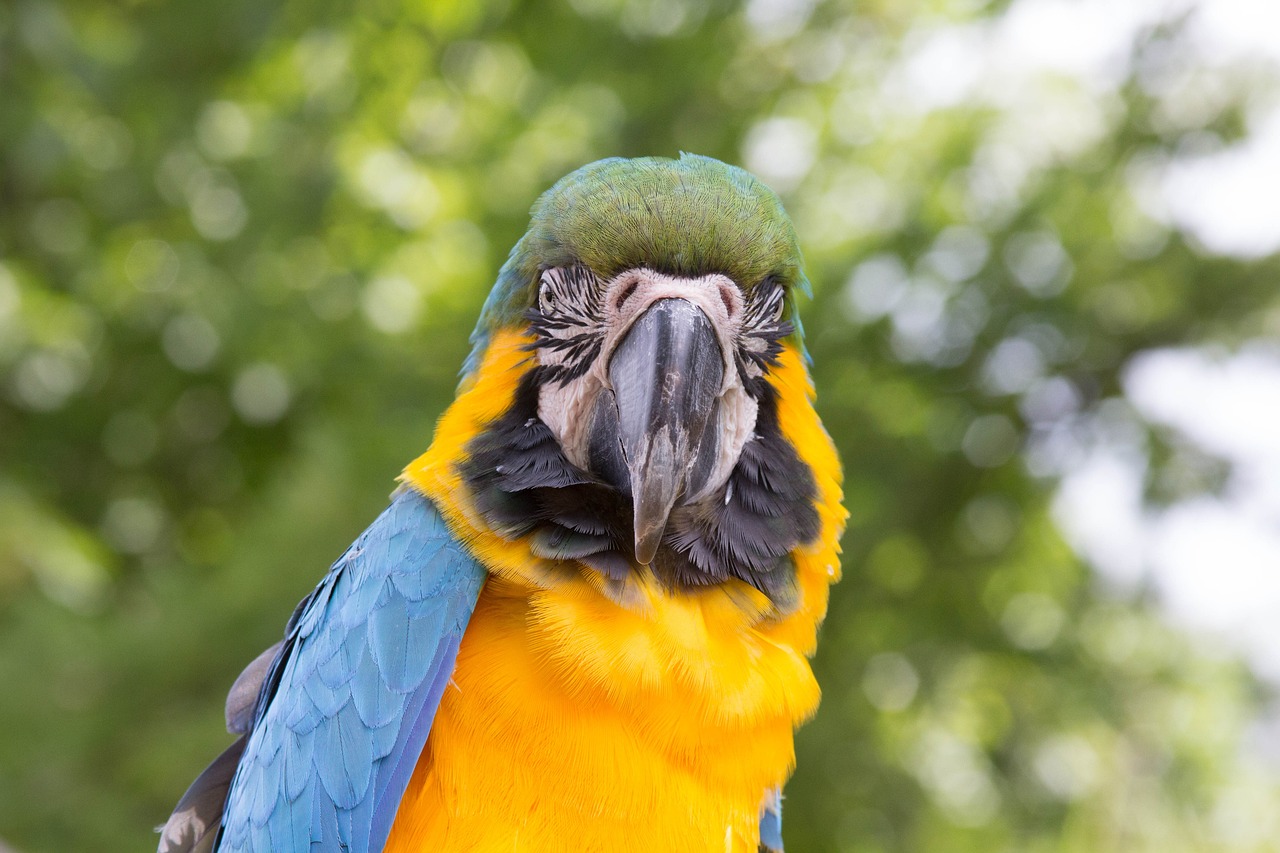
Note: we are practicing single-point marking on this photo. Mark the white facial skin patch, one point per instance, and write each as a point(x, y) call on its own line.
point(604, 312)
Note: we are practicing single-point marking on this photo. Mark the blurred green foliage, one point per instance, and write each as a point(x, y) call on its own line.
point(242, 244)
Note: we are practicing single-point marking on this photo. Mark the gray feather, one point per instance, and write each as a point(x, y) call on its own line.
point(193, 826)
point(244, 693)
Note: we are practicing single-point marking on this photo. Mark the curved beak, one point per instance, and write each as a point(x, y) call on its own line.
point(666, 375)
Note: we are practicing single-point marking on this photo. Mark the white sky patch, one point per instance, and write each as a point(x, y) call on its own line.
point(1085, 39)
point(1229, 405)
point(1238, 27)
point(1228, 200)
point(1214, 562)
point(998, 61)
point(1219, 570)
point(1099, 508)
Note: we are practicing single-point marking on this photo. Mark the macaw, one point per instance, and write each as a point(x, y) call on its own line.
point(584, 621)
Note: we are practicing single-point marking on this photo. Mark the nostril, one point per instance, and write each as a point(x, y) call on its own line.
point(626, 294)
point(727, 297)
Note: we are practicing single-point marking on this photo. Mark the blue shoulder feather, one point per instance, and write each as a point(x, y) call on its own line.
point(348, 702)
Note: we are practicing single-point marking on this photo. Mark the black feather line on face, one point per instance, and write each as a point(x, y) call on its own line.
point(523, 485)
point(566, 320)
point(763, 329)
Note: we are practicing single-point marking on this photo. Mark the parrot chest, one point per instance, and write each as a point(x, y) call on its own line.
point(572, 724)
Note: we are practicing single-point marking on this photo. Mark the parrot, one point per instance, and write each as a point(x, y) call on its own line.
point(584, 621)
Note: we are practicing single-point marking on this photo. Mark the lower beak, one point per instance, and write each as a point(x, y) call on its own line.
point(666, 375)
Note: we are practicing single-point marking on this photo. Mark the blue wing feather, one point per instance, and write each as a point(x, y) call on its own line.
point(348, 703)
point(771, 823)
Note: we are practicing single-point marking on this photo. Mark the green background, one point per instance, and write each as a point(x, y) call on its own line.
point(242, 244)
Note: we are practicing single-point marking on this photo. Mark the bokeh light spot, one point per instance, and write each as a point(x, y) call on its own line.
point(261, 394)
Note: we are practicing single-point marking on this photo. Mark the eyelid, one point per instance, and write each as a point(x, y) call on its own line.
point(545, 303)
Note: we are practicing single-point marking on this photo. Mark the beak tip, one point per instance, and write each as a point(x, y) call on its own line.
point(647, 546)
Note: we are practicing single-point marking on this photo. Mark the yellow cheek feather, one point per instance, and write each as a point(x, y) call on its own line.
point(575, 722)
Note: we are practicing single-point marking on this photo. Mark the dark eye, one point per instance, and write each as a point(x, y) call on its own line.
point(545, 303)
point(779, 303)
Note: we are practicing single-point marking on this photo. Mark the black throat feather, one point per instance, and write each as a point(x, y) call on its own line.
point(525, 487)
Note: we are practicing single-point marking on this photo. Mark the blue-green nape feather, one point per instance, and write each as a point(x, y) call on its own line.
point(691, 216)
point(349, 701)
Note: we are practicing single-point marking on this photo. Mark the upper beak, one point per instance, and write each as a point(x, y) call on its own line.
point(666, 374)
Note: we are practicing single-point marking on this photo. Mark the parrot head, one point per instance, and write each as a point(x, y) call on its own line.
point(653, 300)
